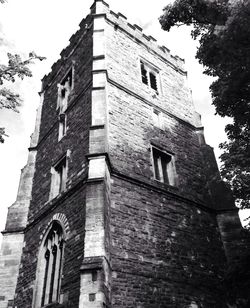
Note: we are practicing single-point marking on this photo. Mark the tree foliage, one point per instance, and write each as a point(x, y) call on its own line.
point(15, 68)
point(223, 30)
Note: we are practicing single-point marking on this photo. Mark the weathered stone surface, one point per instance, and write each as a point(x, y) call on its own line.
point(10, 256)
point(12, 242)
point(73, 209)
point(160, 248)
point(70, 203)
point(130, 241)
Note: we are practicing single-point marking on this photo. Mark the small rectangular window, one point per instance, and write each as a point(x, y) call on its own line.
point(68, 78)
point(64, 89)
point(92, 297)
point(149, 76)
point(164, 168)
point(153, 82)
point(144, 74)
point(94, 276)
point(62, 126)
point(59, 177)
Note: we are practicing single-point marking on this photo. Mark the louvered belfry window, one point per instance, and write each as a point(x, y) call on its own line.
point(144, 74)
point(149, 76)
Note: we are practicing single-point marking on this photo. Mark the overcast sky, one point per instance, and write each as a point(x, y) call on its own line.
point(45, 27)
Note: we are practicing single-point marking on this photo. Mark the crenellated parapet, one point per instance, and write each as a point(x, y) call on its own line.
point(119, 21)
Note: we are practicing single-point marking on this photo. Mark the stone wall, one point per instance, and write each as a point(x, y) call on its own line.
point(165, 251)
point(131, 129)
point(69, 205)
point(76, 140)
point(10, 256)
point(124, 52)
point(132, 133)
point(73, 212)
point(131, 241)
point(13, 235)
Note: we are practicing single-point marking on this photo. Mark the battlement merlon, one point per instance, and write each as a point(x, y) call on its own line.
point(119, 21)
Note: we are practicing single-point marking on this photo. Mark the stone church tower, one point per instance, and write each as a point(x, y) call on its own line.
point(116, 207)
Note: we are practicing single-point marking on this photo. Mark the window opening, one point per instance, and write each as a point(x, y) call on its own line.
point(92, 297)
point(10, 303)
point(62, 126)
point(59, 177)
point(94, 276)
point(144, 74)
point(61, 174)
point(164, 168)
point(153, 82)
point(53, 248)
point(64, 90)
point(149, 76)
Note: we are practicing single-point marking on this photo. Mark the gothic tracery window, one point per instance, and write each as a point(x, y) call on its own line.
point(51, 263)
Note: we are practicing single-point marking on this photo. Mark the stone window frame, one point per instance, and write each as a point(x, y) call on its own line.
point(59, 172)
point(50, 266)
point(64, 89)
point(150, 69)
point(62, 128)
point(163, 163)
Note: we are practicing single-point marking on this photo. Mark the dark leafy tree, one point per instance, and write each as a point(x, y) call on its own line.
point(223, 30)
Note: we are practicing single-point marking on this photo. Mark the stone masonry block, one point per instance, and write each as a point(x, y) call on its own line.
point(97, 167)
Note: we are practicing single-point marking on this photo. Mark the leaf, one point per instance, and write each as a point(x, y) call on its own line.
point(16, 68)
point(2, 134)
point(9, 100)
point(223, 30)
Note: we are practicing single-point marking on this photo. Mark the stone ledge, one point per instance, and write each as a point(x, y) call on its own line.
point(91, 263)
point(20, 230)
point(121, 87)
point(54, 203)
point(93, 127)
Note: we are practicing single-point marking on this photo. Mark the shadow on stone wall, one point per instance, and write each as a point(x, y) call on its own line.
point(186, 263)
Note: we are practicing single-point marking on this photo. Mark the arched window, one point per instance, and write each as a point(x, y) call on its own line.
point(50, 267)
